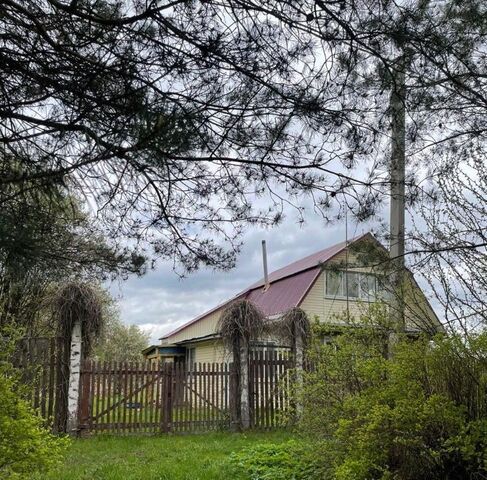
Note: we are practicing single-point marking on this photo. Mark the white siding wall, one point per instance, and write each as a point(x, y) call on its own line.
point(211, 351)
point(418, 312)
point(316, 304)
point(201, 328)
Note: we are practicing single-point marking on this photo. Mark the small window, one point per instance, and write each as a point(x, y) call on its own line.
point(368, 287)
point(382, 292)
point(352, 284)
point(337, 284)
point(190, 359)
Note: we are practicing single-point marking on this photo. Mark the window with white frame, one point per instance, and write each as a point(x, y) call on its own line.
point(190, 358)
point(364, 286)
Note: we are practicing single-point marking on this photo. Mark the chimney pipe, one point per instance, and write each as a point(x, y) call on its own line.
point(264, 260)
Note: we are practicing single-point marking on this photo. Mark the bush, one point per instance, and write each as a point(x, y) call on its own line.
point(287, 461)
point(420, 415)
point(26, 446)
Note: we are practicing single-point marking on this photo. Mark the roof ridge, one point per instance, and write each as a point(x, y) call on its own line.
point(277, 275)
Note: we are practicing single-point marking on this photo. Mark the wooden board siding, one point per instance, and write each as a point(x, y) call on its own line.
point(326, 309)
point(418, 311)
point(211, 351)
point(201, 328)
point(316, 304)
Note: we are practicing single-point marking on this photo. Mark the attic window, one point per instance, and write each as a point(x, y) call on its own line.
point(363, 286)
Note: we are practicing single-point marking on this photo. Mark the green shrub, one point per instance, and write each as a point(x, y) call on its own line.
point(420, 415)
point(292, 460)
point(26, 446)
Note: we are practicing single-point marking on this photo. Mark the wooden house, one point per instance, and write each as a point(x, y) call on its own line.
point(332, 285)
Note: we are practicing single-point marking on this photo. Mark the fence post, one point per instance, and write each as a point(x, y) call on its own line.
point(233, 399)
point(84, 406)
point(168, 394)
point(74, 379)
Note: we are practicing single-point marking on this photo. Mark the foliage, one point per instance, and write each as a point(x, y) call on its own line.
point(119, 342)
point(186, 457)
point(49, 230)
point(418, 415)
point(233, 100)
point(292, 460)
point(156, 133)
point(26, 445)
point(47, 237)
point(453, 225)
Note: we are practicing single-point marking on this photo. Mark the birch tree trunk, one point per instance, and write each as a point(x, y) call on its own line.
point(74, 378)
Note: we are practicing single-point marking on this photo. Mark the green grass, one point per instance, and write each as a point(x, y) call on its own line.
point(176, 457)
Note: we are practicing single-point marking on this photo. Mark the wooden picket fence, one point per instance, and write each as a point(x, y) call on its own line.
point(147, 397)
point(152, 398)
point(38, 360)
point(269, 384)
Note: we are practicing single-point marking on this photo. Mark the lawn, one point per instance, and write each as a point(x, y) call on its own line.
point(177, 457)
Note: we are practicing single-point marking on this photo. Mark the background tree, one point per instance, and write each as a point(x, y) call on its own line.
point(451, 250)
point(119, 342)
point(47, 237)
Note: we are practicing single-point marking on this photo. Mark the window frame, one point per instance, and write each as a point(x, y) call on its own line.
point(361, 296)
point(190, 358)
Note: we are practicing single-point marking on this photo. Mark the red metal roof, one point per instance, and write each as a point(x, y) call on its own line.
point(283, 294)
point(288, 285)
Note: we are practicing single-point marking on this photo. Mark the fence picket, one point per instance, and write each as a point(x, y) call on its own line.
point(91, 400)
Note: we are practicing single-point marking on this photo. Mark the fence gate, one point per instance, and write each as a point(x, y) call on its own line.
point(149, 398)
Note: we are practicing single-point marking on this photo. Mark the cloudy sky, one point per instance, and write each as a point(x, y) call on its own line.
point(160, 301)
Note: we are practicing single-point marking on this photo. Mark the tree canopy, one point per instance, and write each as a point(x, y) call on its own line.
point(48, 237)
point(183, 122)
